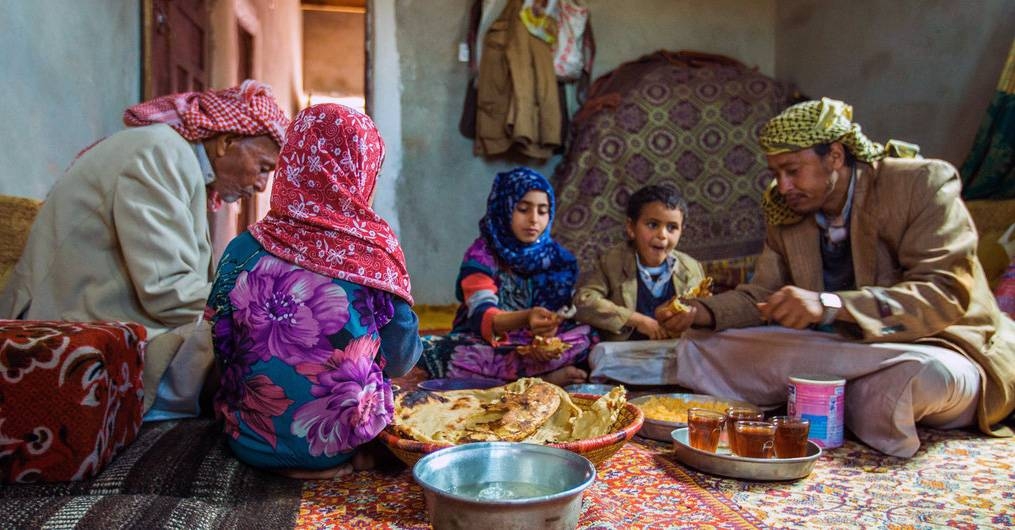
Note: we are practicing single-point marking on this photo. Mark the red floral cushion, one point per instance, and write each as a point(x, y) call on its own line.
point(70, 397)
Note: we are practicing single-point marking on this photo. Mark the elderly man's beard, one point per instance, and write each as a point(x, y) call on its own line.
point(217, 200)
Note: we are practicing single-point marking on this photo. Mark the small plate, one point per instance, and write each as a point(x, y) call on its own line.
point(589, 388)
point(729, 465)
point(441, 385)
point(660, 429)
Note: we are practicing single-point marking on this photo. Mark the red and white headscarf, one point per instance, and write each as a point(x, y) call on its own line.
point(320, 217)
point(249, 110)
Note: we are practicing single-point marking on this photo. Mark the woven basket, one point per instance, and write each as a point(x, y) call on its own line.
point(596, 449)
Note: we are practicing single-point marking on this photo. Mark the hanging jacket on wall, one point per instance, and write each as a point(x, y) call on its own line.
point(518, 105)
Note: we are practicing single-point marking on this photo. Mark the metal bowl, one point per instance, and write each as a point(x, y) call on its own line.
point(503, 485)
point(660, 429)
point(597, 389)
point(441, 385)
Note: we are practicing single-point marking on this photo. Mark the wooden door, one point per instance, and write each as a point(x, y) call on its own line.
point(175, 46)
point(245, 70)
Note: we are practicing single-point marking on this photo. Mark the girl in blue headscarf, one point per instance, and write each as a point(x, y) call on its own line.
point(515, 284)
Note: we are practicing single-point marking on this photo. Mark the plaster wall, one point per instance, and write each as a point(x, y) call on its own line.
point(923, 71)
point(440, 191)
point(58, 100)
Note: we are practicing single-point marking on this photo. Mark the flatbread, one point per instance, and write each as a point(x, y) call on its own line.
point(702, 290)
point(551, 345)
point(516, 415)
point(528, 410)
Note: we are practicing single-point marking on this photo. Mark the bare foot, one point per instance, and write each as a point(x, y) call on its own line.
point(363, 460)
point(565, 375)
point(317, 474)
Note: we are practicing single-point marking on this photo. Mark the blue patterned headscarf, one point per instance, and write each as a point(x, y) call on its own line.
point(551, 267)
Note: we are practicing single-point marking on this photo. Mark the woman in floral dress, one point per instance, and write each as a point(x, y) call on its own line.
point(311, 308)
point(513, 284)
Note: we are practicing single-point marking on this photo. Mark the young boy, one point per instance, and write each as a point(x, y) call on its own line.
point(620, 292)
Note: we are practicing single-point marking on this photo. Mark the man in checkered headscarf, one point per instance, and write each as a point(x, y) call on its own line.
point(247, 113)
point(124, 234)
point(869, 270)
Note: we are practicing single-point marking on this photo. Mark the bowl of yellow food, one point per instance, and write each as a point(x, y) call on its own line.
point(666, 412)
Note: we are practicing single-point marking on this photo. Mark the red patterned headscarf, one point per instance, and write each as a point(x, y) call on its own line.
point(249, 110)
point(320, 217)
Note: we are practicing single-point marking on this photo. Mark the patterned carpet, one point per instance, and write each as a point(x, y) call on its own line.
point(182, 475)
point(957, 480)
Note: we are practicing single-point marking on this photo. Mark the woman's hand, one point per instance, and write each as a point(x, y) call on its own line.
point(543, 322)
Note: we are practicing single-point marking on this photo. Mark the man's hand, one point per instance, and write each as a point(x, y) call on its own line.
point(543, 322)
point(648, 326)
point(676, 322)
point(792, 307)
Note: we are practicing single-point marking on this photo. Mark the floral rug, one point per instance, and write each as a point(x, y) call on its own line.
point(957, 480)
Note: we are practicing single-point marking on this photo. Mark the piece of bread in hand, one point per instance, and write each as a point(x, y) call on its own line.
point(553, 346)
point(702, 290)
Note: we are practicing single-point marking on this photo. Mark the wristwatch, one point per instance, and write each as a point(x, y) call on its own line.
point(832, 304)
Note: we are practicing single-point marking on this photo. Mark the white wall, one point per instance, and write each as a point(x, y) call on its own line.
point(921, 71)
point(68, 70)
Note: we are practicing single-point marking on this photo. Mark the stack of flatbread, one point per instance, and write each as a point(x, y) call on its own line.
point(528, 410)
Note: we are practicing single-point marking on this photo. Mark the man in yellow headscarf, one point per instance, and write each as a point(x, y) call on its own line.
point(873, 242)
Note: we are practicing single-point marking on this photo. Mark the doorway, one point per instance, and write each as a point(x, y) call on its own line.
point(334, 52)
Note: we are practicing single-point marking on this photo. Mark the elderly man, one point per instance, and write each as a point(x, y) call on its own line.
point(123, 235)
point(880, 248)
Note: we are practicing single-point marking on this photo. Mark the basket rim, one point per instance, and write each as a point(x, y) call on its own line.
point(390, 438)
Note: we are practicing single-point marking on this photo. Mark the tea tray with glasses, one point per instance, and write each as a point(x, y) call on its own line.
point(676, 406)
point(722, 462)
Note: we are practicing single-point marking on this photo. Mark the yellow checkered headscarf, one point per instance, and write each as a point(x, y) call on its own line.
point(812, 123)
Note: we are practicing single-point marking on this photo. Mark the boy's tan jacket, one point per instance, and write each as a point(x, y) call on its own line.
point(914, 257)
point(607, 292)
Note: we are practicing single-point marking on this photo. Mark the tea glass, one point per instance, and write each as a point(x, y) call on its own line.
point(735, 414)
point(703, 428)
point(754, 439)
point(791, 436)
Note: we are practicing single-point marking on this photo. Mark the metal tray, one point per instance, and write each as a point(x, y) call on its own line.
point(660, 429)
point(728, 465)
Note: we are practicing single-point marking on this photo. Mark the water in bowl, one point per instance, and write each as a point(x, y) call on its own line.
point(503, 490)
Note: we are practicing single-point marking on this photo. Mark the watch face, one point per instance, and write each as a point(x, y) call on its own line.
point(830, 300)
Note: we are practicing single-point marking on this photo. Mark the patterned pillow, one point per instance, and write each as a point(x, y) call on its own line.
point(684, 119)
point(70, 397)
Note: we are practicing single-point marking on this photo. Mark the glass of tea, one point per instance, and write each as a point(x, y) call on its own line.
point(754, 439)
point(735, 414)
point(703, 428)
point(791, 436)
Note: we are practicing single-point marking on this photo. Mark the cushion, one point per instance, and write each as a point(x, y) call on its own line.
point(684, 119)
point(16, 216)
point(70, 397)
point(992, 219)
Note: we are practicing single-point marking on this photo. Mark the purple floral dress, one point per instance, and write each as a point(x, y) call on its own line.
point(303, 359)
